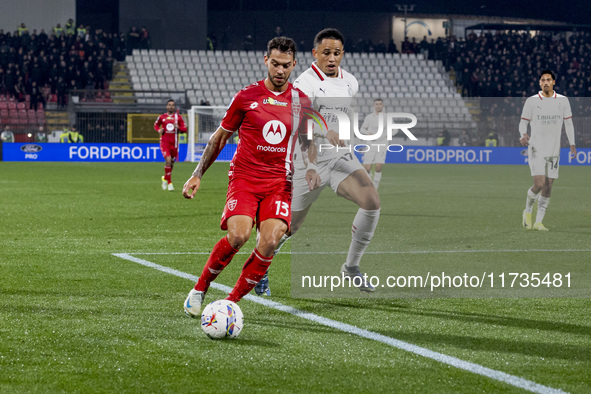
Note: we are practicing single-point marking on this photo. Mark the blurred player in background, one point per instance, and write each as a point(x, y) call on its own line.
point(331, 87)
point(375, 156)
point(269, 114)
point(168, 125)
point(545, 112)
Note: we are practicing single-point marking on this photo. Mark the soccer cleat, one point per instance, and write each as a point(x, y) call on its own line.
point(193, 303)
point(540, 227)
point(164, 184)
point(361, 282)
point(527, 220)
point(170, 187)
point(262, 288)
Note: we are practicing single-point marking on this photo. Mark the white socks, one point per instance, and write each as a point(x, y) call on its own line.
point(376, 178)
point(363, 228)
point(542, 206)
point(530, 200)
point(283, 239)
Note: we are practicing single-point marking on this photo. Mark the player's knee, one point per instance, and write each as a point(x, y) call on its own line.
point(267, 245)
point(236, 239)
point(372, 200)
point(539, 185)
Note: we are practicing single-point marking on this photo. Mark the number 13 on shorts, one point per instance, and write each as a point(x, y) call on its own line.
point(282, 208)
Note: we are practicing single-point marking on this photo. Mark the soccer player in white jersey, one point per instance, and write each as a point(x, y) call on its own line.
point(545, 112)
point(375, 156)
point(329, 86)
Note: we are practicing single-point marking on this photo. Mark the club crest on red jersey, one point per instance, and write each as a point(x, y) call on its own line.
point(232, 204)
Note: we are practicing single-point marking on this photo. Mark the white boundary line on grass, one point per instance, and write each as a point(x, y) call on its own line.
point(421, 351)
point(393, 251)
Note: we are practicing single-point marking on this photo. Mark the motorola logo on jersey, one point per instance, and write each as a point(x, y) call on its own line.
point(274, 132)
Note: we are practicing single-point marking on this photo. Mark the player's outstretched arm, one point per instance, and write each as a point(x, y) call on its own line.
point(210, 154)
point(312, 176)
point(158, 125)
point(182, 127)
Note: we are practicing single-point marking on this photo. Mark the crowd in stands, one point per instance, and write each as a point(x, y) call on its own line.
point(37, 67)
point(502, 65)
point(505, 64)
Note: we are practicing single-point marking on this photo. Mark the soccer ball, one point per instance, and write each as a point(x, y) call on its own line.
point(222, 319)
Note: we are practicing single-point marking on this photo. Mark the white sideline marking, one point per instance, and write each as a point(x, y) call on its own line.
point(394, 251)
point(421, 351)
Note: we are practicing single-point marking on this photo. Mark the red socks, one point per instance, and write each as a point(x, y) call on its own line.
point(167, 173)
point(220, 257)
point(252, 272)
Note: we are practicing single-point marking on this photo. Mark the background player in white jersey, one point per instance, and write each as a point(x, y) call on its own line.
point(331, 87)
point(376, 154)
point(545, 112)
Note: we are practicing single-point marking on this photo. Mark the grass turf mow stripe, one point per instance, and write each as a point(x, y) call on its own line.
point(421, 351)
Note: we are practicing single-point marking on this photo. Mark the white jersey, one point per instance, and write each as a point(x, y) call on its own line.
point(370, 126)
point(327, 93)
point(546, 116)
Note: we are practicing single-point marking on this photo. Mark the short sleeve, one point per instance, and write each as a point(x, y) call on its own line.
point(568, 113)
point(304, 84)
point(234, 114)
point(527, 110)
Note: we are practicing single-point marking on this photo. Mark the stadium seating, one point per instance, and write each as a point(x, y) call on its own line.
point(407, 83)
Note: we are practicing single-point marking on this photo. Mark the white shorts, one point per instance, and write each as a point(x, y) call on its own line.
point(332, 172)
point(540, 165)
point(374, 157)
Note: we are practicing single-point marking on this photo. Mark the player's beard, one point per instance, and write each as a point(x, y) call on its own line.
point(272, 79)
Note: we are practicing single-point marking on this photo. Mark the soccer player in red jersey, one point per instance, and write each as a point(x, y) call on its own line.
point(168, 125)
point(269, 114)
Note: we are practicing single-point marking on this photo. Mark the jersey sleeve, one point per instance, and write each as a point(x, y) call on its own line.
point(365, 125)
point(526, 114)
point(568, 113)
point(158, 123)
point(234, 114)
point(182, 125)
point(305, 84)
point(355, 87)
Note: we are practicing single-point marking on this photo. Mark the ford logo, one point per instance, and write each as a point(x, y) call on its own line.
point(31, 148)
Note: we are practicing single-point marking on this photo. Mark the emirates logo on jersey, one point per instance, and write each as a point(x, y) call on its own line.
point(274, 132)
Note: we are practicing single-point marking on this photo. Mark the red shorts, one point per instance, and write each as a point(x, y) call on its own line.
point(169, 149)
point(261, 199)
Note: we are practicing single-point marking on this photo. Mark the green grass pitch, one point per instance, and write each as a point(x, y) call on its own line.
point(76, 318)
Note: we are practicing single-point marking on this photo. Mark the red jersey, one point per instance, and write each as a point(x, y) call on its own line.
point(268, 124)
point(172, 124)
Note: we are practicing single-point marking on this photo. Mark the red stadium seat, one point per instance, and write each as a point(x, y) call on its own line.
point(11, 105)
point(21, 106)
point(3, 105)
